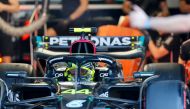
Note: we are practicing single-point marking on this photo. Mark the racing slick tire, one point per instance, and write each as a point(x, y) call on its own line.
point(167, 71)
point(166, 94)
point(168, 91)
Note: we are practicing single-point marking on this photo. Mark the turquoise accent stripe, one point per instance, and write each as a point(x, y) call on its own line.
point(39, 41)
point(142, 40)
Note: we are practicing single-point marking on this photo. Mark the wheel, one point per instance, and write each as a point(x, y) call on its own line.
point(165, 94)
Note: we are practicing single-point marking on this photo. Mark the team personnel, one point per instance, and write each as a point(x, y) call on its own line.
point(160, 9)
point(164, 48)
point(185, 52)
point(71, 12)
point(173, 24)
point(7, 7)
point(184, 6)
point(185, 57)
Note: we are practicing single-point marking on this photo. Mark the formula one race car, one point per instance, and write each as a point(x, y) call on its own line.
point(78, 87)
point(80, 79)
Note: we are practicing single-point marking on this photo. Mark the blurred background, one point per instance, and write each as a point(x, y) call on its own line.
point(97, 14)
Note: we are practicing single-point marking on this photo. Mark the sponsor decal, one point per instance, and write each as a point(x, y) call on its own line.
point(58, 75)
point(98, 41)
point(73, 91)
point(75, 104)
point(105, 59)
point(104, 94)
point(104, 75)
point(108, 41)
point(61, 41)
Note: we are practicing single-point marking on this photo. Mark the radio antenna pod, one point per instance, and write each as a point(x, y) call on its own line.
point(83, 31)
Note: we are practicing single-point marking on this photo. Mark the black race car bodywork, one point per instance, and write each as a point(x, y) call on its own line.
point(158, 86)
point(150, 90)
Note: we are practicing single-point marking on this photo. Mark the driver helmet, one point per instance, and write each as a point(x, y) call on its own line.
point(87, 72)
